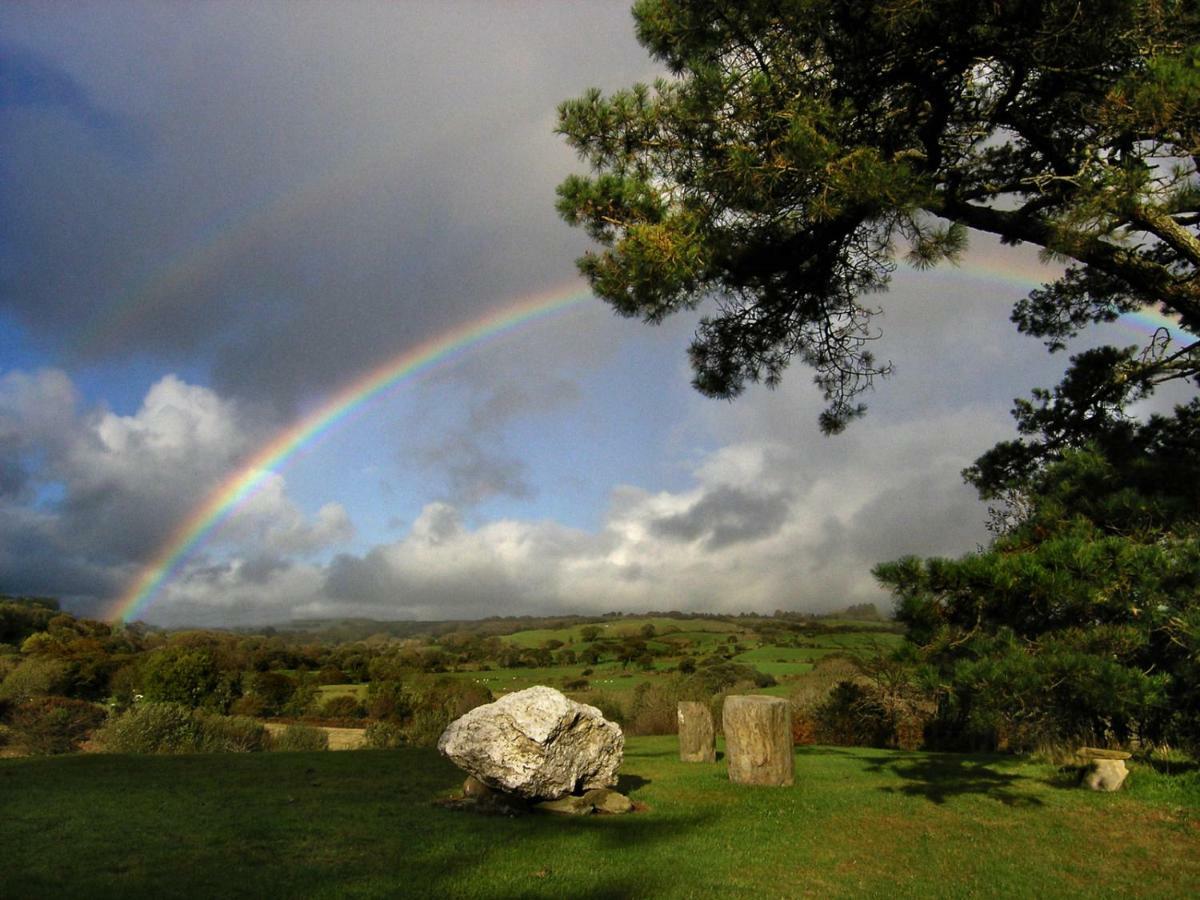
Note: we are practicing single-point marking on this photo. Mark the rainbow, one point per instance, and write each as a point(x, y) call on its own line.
point(226, 496)
point(1025, 274)
point(223, 240)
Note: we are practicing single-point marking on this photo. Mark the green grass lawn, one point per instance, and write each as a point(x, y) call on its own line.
point(857, 823)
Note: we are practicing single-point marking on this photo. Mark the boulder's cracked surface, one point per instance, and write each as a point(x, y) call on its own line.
point(537, 744)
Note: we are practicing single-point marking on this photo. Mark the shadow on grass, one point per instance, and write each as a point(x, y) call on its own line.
point(1169, 766)
point(938, 777)
point(627, 784)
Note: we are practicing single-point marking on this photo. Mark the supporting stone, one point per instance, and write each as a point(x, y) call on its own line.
point(758, 739)
point(697, 735)
point(1105, 770)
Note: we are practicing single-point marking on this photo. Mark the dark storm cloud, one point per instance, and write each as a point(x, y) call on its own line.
point(32, 82)
point(323, 191)
point(726, 515)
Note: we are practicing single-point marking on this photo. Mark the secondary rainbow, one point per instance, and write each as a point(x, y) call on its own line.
point(223, 499)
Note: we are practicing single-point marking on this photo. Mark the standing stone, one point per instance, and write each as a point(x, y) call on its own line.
point(536, 744)
point(758, 739)
point(697, 736)
point(1105, 769)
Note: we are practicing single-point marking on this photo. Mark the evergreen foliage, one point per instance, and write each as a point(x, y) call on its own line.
point(1082, 620)
point(800, 141)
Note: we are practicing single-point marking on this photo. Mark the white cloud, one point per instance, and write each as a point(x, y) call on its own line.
point(97, 493)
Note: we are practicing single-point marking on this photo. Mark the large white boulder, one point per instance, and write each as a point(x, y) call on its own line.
point(536, 743)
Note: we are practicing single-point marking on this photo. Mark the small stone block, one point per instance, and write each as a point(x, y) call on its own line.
point(566, 806)
point(1101, 753)
point(604, 800)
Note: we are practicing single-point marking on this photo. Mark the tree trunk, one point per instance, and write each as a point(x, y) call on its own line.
point(697, 736)
point(758, 739)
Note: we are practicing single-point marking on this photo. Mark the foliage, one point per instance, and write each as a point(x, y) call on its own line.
point(273, 690)
point(165, 727)
point(1082, 620)
point(36, 677)
point(342, 707)
point(438, 702)
point(231, 734)
point(21, 617)
point(387, 700)
point(180, 675)
point(300, 738)
point(384, 736)
point(798, 143)
point(152, 727)
point(47, 725)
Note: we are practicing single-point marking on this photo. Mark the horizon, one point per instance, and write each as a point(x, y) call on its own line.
point(211, 242)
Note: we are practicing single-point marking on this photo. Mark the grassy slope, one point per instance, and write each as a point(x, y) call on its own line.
point(857, 823)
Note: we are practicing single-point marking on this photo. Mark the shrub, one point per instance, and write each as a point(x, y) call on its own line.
point(610, 706)
point(174, 728)
point(426, 726)
point(384, 736)
point(248, 705)
point(37, 676)
point(300, 737)
point(273, 690)
point(180, 675)
point(152, 728)
point(48, 725)
point(576, 684)
point(438, 703)
point(231, 734)
point(654, 709)
point(388, 700)
point(342, 706)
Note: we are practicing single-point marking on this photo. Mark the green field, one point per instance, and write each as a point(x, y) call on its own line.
point(710, 629)
point(857, 823)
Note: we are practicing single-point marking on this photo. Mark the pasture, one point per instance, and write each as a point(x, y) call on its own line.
point(857, 823)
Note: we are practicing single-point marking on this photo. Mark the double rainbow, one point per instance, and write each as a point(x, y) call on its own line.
point(226, 497)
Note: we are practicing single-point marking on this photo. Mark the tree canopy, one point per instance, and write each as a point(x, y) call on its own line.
point(800, 145)
point(1082, 621)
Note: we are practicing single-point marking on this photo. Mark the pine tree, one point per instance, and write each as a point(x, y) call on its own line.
point(799, 142)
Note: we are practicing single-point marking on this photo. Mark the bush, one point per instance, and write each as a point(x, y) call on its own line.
point(152, 728)
point(342, 706)
point(231, 734)
point(388, 700)
point(179, 675)
point(438, 703)
point(576, 684)
point(655, 708)
point(610, 706)
point(174, 728)
point(384, 736)
point(248, 705)
point(300, 737)
point(46, 725)
point(36, 677)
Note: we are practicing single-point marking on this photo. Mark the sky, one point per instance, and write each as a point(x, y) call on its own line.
point(217, 218)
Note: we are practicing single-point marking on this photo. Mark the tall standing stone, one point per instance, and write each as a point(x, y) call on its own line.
point(697, 735)
point(758, 739)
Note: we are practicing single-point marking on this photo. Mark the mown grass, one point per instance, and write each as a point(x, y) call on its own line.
point(857, 823)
